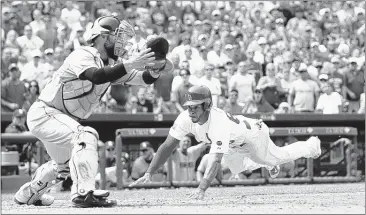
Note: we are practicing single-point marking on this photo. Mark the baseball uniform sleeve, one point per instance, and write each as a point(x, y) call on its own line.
point(81, 60)
point(181, 126)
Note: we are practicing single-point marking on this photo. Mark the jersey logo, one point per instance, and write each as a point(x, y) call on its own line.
point(219, 143)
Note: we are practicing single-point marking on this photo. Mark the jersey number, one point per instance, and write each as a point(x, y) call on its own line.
point(236, 120)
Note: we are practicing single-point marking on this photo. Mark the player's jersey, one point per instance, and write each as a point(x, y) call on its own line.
point(71, 95)
point(79, 98)
point(222, 130)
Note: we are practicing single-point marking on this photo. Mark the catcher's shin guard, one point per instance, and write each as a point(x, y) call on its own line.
point(84, 167)
point(46, 176)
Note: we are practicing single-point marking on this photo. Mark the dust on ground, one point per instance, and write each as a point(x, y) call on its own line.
point(264, 199)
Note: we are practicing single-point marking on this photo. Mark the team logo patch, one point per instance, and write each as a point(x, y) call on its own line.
point(219, 143)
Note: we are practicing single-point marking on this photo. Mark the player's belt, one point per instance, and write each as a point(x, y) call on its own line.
point(48, 105)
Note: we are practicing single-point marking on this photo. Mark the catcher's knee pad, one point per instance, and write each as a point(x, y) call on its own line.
point(84, 161)
point(46, 176)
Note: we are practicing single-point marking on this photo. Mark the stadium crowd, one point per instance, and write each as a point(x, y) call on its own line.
point(256, 57)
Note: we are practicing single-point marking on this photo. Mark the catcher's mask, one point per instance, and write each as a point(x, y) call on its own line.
point(121, 32)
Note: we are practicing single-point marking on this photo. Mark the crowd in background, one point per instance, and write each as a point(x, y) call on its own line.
point(268, 57)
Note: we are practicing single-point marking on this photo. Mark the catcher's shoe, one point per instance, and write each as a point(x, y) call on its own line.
point(26, 195)
point(274, 171)
point(91, 200)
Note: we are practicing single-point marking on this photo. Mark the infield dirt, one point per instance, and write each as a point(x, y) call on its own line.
point(269, 199)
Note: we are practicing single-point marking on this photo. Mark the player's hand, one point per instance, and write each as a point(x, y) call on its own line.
point(140, 61)
point(144, 179)
point(198, 194)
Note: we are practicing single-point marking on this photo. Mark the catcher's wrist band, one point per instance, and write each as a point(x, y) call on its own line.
point(148, 78)
point(204, 184)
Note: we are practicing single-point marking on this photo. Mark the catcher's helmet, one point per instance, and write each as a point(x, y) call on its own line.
point(122, 31)
point(198, 95)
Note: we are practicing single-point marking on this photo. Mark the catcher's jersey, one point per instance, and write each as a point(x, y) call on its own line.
point(75, 97)
point(222, 130)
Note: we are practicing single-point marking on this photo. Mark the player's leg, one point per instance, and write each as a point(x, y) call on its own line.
point(54, 130)
point(46, 176)
point(238, 162)
point(266, 152)
point(84, 168)
point(64, 138)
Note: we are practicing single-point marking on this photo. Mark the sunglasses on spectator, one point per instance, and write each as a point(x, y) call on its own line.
point(258, 92)
point(110, 149)
point(183, 74)
point(144, 150)
point(323, 80)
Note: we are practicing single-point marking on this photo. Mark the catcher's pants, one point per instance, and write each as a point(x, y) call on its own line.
point(59, 133)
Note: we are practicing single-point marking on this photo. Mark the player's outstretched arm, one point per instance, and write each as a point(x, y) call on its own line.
point(213, 166)
point(161, 156)
point(118, 71)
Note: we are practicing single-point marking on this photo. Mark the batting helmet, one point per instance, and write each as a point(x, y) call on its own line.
point(198, 95)
point(111, 25)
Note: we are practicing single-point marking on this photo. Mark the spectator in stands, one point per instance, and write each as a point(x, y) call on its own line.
point(271, 86)
point(362, 104)
point(63, 40)
point(178, 95)
point(222, 102)
point(12, 90)
point(283, 108)
point(211, 82)
point(144, 105)
point(141, 164)
point(329, 102)
point(6, 60)
point(232, 105)
point(354, 82)
point(184, 159)
point(17, 125)
point(31, 95)
point(156, 100)
point(131, 105)
point(37, 24)
point(257, 104)
point(35, 69)
point(304, 93)
point(243, 82)
point(70, 15)
point(29, 42)
point(163, 88)
point(49, 33)
point(110, 155)
point(110, 173)
point(335, 78)
point(217, 56)
point(11, 43)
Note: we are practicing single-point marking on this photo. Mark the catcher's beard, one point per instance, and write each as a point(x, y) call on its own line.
point(109, 48)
